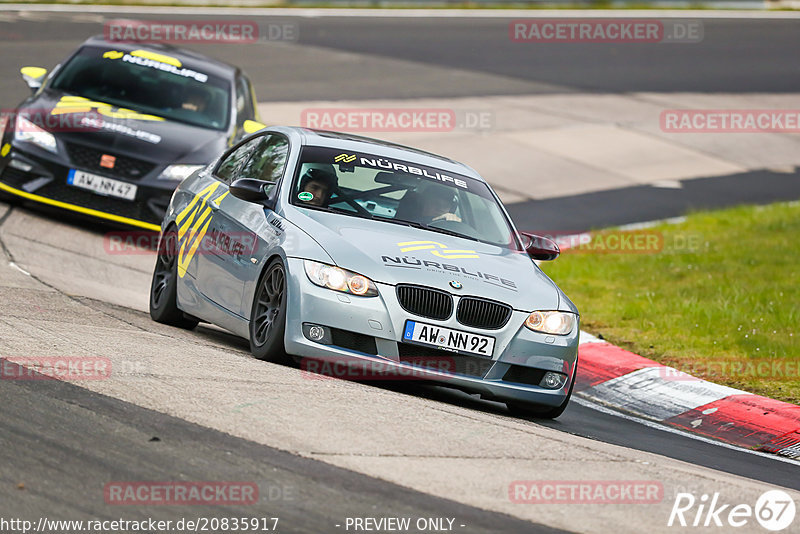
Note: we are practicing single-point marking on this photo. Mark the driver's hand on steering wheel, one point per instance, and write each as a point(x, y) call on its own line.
point(448, 217)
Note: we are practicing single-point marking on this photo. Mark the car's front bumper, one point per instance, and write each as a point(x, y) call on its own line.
point(46, 183)
point(520, 359)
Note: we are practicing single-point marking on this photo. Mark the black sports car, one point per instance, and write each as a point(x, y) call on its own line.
point(112, 130)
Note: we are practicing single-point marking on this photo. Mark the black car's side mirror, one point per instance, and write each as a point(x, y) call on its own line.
point(251, 190)
point(540, 248)
point(33, 76)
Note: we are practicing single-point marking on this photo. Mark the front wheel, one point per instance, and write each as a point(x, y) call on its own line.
point(164, 287)
point(268, 317)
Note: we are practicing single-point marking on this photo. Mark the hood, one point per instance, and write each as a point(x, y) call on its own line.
point(396, 254)
point(162, 141)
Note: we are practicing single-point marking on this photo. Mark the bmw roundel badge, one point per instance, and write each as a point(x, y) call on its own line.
point(455, 285)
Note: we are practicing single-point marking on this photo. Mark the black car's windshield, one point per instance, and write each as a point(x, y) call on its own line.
point(148, 83)
point(364, 185)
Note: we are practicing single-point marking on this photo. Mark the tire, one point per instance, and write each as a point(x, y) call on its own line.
point(164, 287)
point(268, 315)
point(543, 412)
point(8, 198)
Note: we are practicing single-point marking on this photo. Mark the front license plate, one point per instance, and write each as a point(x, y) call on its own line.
point(445, 338)
point(101, 185)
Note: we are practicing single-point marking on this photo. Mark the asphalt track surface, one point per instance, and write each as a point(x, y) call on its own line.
point(46, 425)
point(140, 444)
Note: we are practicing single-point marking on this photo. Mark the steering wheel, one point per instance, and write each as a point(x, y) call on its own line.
point(347, 198)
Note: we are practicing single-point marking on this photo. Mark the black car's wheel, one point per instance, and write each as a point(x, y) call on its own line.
point(8, 198)
point(542, 412)
point(268, 317)
point(164, 288)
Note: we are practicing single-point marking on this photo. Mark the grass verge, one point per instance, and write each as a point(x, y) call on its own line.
point(717, 296)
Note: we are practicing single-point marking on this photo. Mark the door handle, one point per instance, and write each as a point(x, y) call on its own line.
point(213, 205)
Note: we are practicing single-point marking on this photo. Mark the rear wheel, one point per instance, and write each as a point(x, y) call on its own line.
point(268, 317)
point(164, 287)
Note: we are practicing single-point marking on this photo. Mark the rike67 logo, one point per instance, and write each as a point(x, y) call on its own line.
point(774, 510)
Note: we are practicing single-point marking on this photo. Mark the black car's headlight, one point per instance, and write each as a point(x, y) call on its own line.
point(28, 132)
point(551, 322)
point(340, 279)
point(178, 173)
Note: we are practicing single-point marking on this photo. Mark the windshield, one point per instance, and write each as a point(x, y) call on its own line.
point(396, 191)
point(149, 83)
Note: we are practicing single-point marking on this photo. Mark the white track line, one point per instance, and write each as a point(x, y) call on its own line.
point(17, 267)
point(665, 428)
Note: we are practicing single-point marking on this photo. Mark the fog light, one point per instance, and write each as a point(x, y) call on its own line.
point(553, 380)
point(20, 165)
point(316, 333)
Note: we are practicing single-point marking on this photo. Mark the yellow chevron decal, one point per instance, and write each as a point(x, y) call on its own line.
point(345, 158)
point(79, 104)
point(193, 224)
point(437, 249)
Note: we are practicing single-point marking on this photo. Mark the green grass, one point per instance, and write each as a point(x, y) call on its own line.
point(727, 309)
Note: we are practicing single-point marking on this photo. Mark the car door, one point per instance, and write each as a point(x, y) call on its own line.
point(213, 279)
point(241, 229)
point(254, 221)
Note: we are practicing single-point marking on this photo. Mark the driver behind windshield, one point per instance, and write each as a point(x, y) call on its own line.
point(319, 184)
point(438, 204)
point(195, 100)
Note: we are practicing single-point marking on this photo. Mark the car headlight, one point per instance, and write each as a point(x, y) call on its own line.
point(340, 279)
point(178, 172)
point(3, 123)
point(28, 132)
point(551, 322)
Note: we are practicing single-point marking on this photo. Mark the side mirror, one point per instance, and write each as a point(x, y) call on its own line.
point(540, 248)
point(252, 126)
point(33, 76)
point(250, 190)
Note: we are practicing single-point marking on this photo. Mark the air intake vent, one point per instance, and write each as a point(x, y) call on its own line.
point(482, 313)
point(425, 302)
point(89, 158)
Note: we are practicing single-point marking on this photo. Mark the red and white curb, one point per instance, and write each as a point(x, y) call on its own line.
point(619, 379)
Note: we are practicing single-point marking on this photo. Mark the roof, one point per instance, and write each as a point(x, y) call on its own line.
point(358, 142)
point(195, 60)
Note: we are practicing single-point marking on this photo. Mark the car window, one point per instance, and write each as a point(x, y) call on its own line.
point(135, 81)
point(244, 104)
point(241, 98)
point(268, 160)
point(227, 170)
point(398, 191)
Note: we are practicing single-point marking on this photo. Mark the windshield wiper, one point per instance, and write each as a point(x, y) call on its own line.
point(421, 226)
point(448, 232)
point(413, 224)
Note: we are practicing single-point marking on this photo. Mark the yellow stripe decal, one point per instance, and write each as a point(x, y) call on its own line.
point(79, 209)
point(161, 58)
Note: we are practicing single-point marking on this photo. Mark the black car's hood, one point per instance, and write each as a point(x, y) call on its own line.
point(146, 137)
